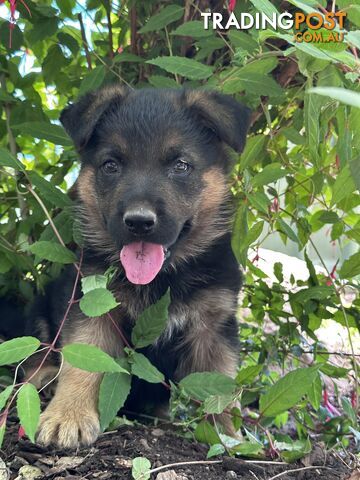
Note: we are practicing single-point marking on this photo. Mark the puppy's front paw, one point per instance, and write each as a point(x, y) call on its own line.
point(65, 426)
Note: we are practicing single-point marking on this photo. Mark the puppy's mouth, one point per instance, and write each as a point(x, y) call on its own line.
point(142, 261)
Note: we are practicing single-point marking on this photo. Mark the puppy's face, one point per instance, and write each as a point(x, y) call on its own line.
point(152, 183)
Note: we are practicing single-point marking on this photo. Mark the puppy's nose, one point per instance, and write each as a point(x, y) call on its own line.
point(140, 221)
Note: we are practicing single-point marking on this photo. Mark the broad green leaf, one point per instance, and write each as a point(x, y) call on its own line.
point(90, 358)
point(344, 95)
point(269, 174)
point(252, 83)
point(216, 404)
point(260, 201)
point(97, 302)
point(143, 368)
point(291, 451)
point(254, 149)
point(159, 81)
point(48, 191)
point(2, 433)
point(4, 396)
point(52, 251)
point(312, 109)
point(333, 371)
point(127, 57)
point(248, 374)
point(17, 349)
point(287, 230)
point(8, 160)
point(265, 6)
point(186, 67)
point(93, 80)
point(287, 391)
point(315, 393)
point(349, 410)
point(194, 28)
point(114, 390)
point(355, 171)
point(45, 131)
point(202, 385)
point(141, 467)
point(206, 433)
point(240, 230)
point(248, 449)
point(278, 272)
point(151, 323)
point(320, 292)
point(252, 235)
point(351, 267)
point(215, 450)
point(344, 185)
point(167, 15)
point(28, 409)
point(92, 282)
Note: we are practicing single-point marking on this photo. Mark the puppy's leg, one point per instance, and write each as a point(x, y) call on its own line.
point(71, 419)
point(211, 341)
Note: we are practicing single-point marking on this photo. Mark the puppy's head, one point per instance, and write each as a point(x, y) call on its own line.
point(153, 176)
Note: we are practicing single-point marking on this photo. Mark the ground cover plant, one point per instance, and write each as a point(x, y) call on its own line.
point(299, 175)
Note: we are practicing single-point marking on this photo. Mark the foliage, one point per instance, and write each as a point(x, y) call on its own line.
point(299, 175)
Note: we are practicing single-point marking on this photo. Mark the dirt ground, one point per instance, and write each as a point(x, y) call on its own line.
point(110, 458)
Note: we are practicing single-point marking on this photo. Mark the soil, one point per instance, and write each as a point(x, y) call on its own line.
point(110, 458)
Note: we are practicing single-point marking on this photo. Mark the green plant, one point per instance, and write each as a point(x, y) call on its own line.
point(299, 174)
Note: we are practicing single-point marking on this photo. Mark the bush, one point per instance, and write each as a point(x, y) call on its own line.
point(299, 174)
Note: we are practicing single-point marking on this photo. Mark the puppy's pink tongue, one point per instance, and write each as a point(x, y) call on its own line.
point(142, 261)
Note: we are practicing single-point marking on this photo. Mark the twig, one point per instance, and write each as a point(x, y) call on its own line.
point(85, 44)
point(182, 464)
point(108, 17)
point(298, 470)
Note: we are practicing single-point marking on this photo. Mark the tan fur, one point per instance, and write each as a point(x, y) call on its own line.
point(71, 419)
point(205, 352)
point(209, 222)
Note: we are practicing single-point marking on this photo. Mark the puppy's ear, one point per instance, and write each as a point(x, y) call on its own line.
point(81, 118)
point(228, 118)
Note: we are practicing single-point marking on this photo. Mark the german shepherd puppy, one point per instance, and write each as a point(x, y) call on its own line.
point(152, 199)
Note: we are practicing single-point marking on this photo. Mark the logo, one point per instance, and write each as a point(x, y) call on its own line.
point(310, 27)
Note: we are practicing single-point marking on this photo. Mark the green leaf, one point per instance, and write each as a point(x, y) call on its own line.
point(17, 349)
point(97, 302)
point(239, 231)
point(90, 358)
point(287, 391)
point(186, 67)
point(167, 15)
point(349, 410)
point(28, 409)
point(54, 252)
point(114, 390)
point(92, 282)
point(248, 449)
point(254, 148)
point(194, 28)
point(151, 322)
point(355, 171)
point(2, 433)
point(206, 433)
point(216, 404)
point(252, 235)
point(202, 385)
point(260, 201)
point(248, 374)
point(4, 396)
point(265, 6)
point(287, 230)
point(312, 109)
point(93, 80)
point(351, 267)
point(215, 450)
point(269, 174)
point(294, 450)
point(344, 95)
point(141, 467)
point(8, 160)
point(278, 272)
point(320, 292)
point(315, 393)
point(143, 368)
point(159, 81)
point(252, 83)
point(45, 131)
point(344, 185)
point(49, 191)
point(127, 57)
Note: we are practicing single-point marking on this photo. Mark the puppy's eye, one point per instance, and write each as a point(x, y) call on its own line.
point(181, 167)
point(110, 167)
